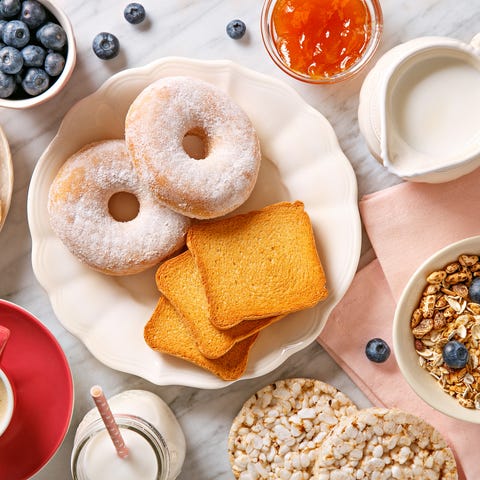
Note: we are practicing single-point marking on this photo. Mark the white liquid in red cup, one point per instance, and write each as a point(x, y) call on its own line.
point(6, 402)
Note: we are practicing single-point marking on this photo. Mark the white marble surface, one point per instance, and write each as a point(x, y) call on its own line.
point(193, 29)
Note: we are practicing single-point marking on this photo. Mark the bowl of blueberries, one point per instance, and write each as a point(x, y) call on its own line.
point(37, 52)
point(436, 330)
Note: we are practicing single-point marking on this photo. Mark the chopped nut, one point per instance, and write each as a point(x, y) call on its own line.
point(419, 346)
point(423, 327)
point(428, 305)
point(437, 277)
point(431, 289)
point(449, 312)
point(456, 278)
point(452, 267)
point(474, 308)
point(439, 320)
point(416, 318)
point(468, 260)
point(461, 290)
point(441, 303)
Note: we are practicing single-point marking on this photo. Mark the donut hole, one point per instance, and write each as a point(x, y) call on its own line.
point(195, 143)
point(123, 206)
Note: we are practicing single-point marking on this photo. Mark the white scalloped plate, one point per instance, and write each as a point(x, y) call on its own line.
point(301, 161)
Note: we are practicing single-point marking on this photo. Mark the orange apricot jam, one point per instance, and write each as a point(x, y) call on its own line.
point(321, 38)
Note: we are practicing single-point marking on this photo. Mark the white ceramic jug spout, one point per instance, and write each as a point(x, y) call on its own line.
point(419, 109)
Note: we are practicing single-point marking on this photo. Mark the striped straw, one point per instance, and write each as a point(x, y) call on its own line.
point(109, 421)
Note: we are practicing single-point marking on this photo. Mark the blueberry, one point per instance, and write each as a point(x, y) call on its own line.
point(52, 35)
point(236, 29)
point(33, 13)
point(33, 56)
point(11, 60)
point(7, 85)
point(106, 46)
point(35, 81)
point(377, 350)
point(134, 13)
point(16, 34)
point(455, 354)
point(2, 26)
point(474, 290)
point(54, 63)
point(9, 8)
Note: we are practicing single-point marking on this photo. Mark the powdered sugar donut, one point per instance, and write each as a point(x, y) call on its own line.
point(158, 121)
point(79, 211)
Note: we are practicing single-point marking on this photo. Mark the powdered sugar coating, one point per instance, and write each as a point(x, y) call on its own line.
point(79, 212)
point(156, 124)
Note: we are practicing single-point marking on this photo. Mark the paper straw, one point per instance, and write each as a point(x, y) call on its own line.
point(4, 335)
point(109, 421)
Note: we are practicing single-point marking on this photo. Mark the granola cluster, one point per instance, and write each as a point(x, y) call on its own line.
point(446, 312)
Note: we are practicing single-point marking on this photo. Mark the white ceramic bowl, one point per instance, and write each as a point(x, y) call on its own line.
point(403, 342)
point(70, 61)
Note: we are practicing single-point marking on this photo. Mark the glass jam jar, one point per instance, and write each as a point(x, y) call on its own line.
point(321, 41)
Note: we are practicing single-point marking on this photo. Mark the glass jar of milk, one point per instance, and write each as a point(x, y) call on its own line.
point(150, 430)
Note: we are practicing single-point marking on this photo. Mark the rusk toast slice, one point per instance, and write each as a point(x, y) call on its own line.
point(179, 280)
point(167, 333)
point(257, 265)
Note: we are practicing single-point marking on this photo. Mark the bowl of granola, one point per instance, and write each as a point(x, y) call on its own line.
point(436, 330)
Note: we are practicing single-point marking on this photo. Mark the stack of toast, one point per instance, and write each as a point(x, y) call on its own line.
point(238, 276)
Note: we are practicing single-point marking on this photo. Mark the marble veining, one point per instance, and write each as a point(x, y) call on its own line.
point(192, 28)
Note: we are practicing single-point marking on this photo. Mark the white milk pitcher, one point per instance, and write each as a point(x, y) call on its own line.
point(420, 109)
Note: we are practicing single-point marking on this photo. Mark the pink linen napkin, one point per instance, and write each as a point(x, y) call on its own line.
point(406, 224)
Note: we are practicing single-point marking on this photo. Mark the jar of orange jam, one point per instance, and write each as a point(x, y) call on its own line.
point(321, 41)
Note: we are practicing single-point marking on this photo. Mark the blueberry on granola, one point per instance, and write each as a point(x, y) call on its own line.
point(474, 290)
point(377, 350)
point(455, 354)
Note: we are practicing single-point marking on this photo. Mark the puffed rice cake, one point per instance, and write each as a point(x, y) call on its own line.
point(276, 433)
point(381, 444)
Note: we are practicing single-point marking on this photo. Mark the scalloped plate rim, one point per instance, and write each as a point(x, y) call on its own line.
point(6, 167)
point(353, 216)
